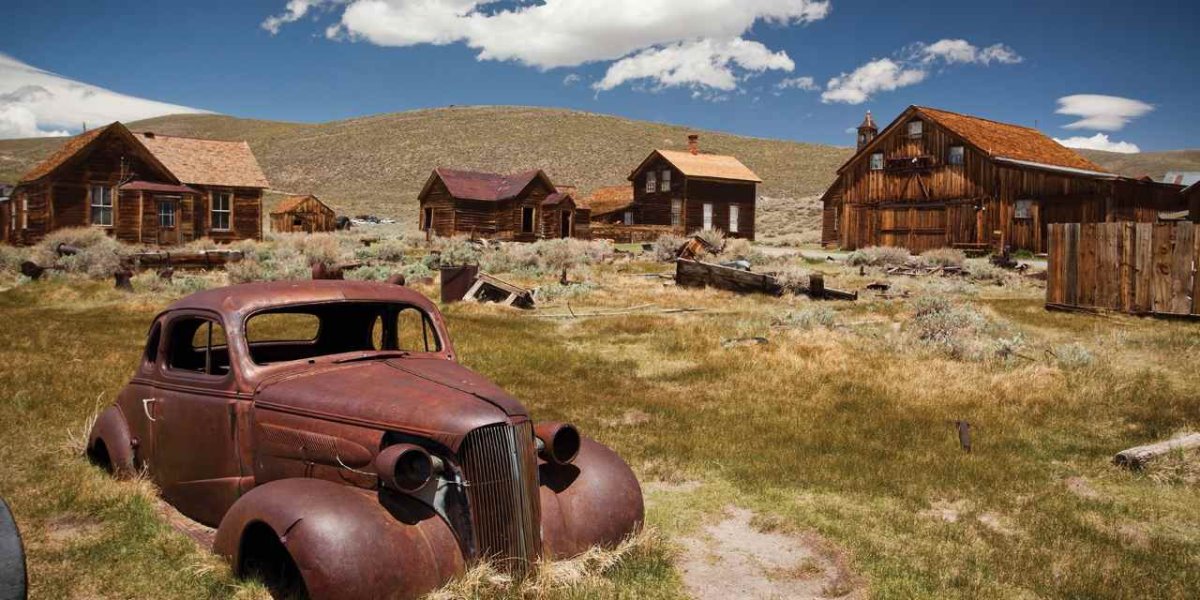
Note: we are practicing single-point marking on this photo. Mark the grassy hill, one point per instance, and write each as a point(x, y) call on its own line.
point(378, 164)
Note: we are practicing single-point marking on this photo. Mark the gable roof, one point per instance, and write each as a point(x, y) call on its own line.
point(488, 187)
point(206, 162)
point(291, 203)
point(610, 199)
point(79, 143)
point(1014, 143)
point(710, 166)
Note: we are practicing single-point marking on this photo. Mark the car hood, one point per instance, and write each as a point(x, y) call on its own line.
point(431, 397)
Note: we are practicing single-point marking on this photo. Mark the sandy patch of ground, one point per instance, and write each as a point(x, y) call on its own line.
point(730, 559)
point(62, 531)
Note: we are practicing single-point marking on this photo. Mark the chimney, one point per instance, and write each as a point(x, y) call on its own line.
point(867, 131)
point(694, 143)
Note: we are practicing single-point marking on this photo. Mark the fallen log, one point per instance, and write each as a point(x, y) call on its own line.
point(192, 259)
point(693, 273)
point(1137, 457)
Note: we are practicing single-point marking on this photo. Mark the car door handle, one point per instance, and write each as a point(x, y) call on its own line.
point(146, 407)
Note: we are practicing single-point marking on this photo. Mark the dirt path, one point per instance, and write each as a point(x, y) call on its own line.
point(729, 559)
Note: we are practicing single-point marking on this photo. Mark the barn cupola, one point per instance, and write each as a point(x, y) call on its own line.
point(867, 131)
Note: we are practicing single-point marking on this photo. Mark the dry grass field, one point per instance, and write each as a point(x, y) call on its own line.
point(834, 440)
point(377, 164)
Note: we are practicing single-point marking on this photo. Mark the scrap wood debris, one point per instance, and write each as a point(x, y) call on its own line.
point(641, 309)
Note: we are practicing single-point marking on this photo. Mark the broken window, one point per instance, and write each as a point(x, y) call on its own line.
point(102, 205)
point(916, 129)
point(526, 219)
point(956, 155)
point(877, 161)
point(222, 210)
point(629, 217)
point(1023, 209)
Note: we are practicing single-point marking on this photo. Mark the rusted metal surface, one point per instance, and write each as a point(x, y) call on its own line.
point(456, 281)
point(308, 452)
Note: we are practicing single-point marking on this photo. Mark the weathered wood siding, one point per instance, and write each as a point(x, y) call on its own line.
point(654, 208)
point(309, 216)
point(501, 220)
point(1139, 268)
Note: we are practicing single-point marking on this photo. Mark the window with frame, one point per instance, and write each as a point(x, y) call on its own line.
point(916, 129)
point(527, 219)
point(956, 155)
point(166, 213)
point(877, 161)
point(24, 213)
point(628, 217)
point(651, 182)
point(708, 216)
point(102, 205)
point(374, 330)
point(676, 212)
point(222, 210)
point(198, 345)
point(666, 180)
point(1023, 209)
point(733, 218)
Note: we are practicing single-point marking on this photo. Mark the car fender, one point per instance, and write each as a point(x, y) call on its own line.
point(111, 428)
point(594, 501)
point(347, 542)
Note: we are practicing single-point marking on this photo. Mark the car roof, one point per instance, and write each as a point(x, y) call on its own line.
point(242, 299)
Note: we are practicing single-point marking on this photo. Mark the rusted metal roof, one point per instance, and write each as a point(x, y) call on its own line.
point(711, 166)
point(290, 203)
point(150, 186)
point(206, 162)
point(610, 199)
point(488, 187)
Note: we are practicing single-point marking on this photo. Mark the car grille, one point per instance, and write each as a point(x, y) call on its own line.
point(500, 464)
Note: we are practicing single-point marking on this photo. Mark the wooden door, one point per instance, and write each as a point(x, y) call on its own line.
point(917, 227)
point(168, 220)
point(565, 223)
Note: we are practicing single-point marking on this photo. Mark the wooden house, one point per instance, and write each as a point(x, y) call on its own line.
point(520, 207)
point(934, 178)
point(141, 188)
point(691, 190)
point(302, 214)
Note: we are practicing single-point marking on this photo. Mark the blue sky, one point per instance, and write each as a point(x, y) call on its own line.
point(1128, 72)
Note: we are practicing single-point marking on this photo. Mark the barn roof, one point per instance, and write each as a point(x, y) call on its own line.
point(206, 162)
point(290, 203)
point(490, 187)
point(610, 199)
point(1018, 144)
point(77, 144)
point(711, 166)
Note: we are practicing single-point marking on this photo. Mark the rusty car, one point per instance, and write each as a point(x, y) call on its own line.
point(328, 432)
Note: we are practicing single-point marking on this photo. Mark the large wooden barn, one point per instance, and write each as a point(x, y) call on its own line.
point(934, 178)
point(521, 207)
point(141, 188)
point(302, 214)
point(690, 191)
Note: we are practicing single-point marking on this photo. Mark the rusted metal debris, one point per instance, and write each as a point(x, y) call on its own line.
point(364, 462)
point(487, 288)
point(123, 279)
point(14, 580)
point(456, 281)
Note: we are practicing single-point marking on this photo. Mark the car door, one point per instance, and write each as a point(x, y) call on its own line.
point(196, 459)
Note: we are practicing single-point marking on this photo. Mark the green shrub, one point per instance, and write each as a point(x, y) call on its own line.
point(558, 291)
point(389, 250)
point(1073, 356)
point(455, 251)
point(372, 272)
point(879, 256)
point(944, 257)
point(544, 257)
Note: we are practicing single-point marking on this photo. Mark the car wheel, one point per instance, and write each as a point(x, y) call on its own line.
point(14, 581)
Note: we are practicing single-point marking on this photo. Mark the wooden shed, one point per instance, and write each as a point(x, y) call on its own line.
point(934, 178)
point(302, 214)
point(141, 188)
point(520, 207)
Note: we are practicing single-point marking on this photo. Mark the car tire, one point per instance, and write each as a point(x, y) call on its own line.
point(14, 581)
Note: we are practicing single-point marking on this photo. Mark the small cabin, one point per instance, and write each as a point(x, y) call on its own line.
point(522, 207)
point(302, 214)
point(141, 188)
point(934, 178)
point(689, 191)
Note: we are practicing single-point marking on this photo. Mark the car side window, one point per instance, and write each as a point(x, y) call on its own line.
point(198, 345)
point(415, 333)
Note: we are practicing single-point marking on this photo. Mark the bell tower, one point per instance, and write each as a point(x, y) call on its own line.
point(867, 131)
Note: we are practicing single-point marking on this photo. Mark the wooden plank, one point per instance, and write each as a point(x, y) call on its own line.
point(1160, 301)
point(1196, 276)
point(1087, 264)
point(1127, 257)
point(1181, 268)
point(1054, 268)
point(1112, 260)
point(1143, 289)
point(1072, 262)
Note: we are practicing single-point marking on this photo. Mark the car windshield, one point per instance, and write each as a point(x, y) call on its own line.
point(380, 329)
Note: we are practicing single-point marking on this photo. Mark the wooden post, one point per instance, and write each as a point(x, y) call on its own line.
point(816, 285)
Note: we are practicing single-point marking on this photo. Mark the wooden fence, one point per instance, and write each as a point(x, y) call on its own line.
point(1139, 268)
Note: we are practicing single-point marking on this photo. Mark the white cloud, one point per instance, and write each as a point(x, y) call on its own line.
point(883, 75)
point(36, 103)
point(806, 84)
point(911, 66)
point(571, 79)
point(964, 52)
point(1101, 113)
point(1099, 141)
point(562, 33)
point(701, 63)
